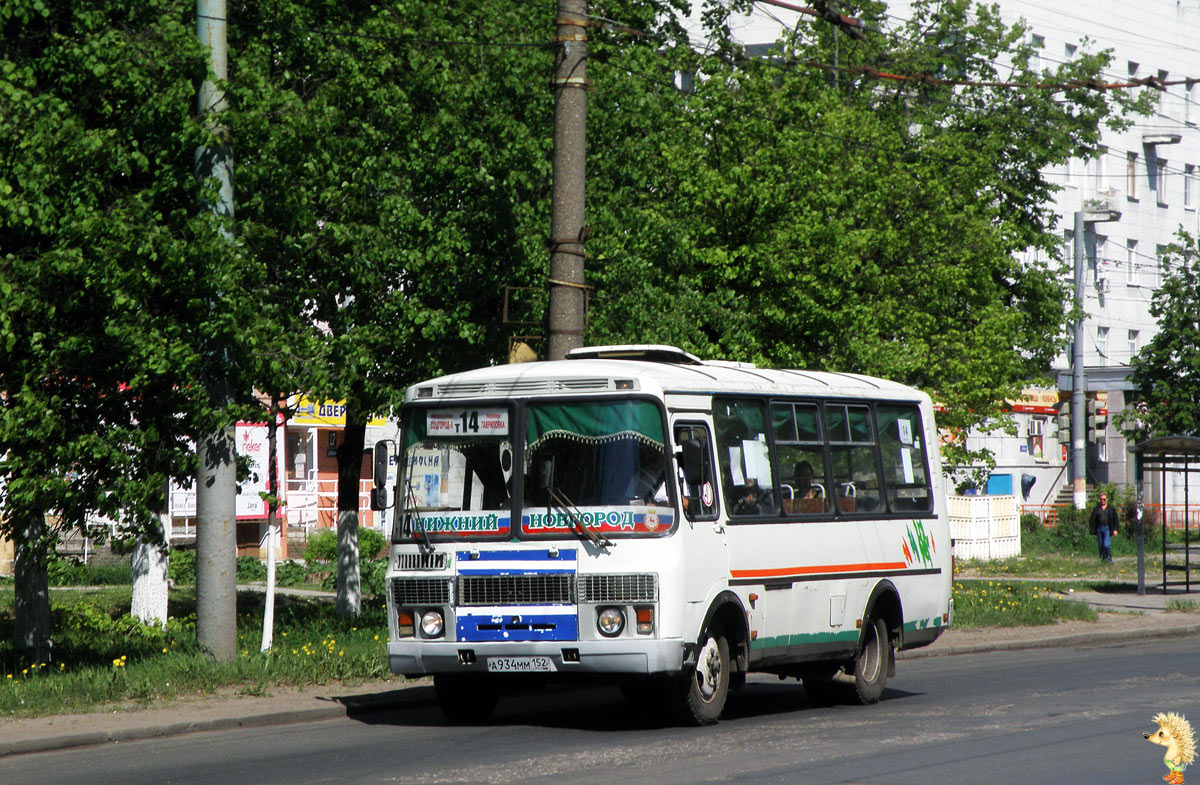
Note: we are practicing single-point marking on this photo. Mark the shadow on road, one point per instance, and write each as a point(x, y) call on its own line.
point(588, 708)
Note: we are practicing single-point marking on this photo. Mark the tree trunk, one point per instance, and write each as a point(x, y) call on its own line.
point(32, 587)
point(149, 565)
point(350, 454)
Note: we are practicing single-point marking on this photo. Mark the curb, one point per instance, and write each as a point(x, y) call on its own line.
point(351, 706)
point(1074, 639)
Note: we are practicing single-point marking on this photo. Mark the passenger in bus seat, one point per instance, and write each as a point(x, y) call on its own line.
point(753, 499)
point(802, 482)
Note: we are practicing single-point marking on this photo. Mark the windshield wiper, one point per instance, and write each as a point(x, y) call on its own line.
point(576, 518)
point(416, 513)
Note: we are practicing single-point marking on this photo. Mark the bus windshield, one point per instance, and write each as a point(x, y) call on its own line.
point(457, 472)
point(600, 465)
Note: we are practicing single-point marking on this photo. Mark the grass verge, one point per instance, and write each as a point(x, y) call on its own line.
point(999, 603)
point(104, 659)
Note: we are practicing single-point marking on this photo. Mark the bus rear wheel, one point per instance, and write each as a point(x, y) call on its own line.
point(871, 665)
point(466, 699)
point(707, 686)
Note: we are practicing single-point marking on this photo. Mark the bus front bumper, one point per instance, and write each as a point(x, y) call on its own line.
point(636, 657)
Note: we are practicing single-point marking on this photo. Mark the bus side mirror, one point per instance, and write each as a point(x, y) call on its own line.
point(546, 473)
point(379, 491)
point(693, 462)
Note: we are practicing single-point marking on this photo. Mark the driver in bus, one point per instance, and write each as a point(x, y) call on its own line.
point(650, 482)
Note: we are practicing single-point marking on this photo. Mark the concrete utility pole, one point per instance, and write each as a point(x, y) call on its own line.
point(1079, 377)
point(1078, 372)
point(216, 483)
point(567, 292)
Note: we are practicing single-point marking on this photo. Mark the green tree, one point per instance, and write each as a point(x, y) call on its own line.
point(392, 177)
point(796, 213)
point(1166, 371)
point(105, 273)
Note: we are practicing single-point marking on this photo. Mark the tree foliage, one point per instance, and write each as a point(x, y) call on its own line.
point(797, 213)
point(1166, 371)
point(393, 178)
point(109, 280)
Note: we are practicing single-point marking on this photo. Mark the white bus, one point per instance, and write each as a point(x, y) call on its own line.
point(635, 514)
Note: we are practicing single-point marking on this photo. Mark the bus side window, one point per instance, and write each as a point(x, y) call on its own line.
point(901, 444)
point(697, 494)
point(852, 455)
point(747, 474)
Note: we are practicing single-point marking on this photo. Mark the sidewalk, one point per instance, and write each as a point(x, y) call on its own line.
point(1124, 616)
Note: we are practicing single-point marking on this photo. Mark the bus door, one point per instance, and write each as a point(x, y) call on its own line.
point(705, 555)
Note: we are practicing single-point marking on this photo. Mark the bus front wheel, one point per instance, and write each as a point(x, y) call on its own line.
point(871, 665)
point(708, 685)
point(466, 699)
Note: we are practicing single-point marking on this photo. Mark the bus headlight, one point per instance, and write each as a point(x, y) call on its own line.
point(610, 622)
point(432, 624)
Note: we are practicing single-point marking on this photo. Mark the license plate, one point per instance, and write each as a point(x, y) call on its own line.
point(520, 665)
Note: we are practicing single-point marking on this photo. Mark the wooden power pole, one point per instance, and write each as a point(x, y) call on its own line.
point(567, 232)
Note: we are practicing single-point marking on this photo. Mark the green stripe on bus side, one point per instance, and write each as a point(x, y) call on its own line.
point(922, 624)
point(804, 638)
point(834, 637)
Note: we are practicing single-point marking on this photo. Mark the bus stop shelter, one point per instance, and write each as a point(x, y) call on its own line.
point(1169, 455)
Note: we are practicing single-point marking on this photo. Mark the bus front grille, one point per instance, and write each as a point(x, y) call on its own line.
point(633, 587)
point(516, 589)
point(421, 561)
point(421, 591)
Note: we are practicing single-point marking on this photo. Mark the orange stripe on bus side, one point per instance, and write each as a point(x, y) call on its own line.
point(825, 568)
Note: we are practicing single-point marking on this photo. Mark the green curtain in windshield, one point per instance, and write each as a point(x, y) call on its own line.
point(595, 422)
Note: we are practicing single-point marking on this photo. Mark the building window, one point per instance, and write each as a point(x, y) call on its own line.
point(1100, 265)
point(1102, 345)
point(1189, 113)
point(1069, 51)
point(1162, 77)
point(1189, 186)
point(1131, 262)
point(1038, 43)
point(1131, 162)
point(1132, 67)
point(1160, 180)
point(1133, 344)
point(1095, 173)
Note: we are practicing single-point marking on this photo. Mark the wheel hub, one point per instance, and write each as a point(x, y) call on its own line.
point(708, 669)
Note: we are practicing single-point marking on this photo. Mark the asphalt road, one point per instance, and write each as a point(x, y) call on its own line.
point(1056, 715)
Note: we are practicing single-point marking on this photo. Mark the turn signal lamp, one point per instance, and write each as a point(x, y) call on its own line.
point(405, 627)
point(645, 620)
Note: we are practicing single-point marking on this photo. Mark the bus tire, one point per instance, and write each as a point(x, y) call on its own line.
point(871, 664)
point(466, 699)
point(707, 685)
